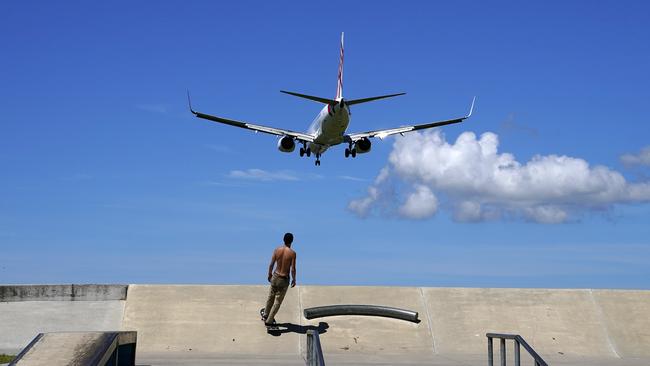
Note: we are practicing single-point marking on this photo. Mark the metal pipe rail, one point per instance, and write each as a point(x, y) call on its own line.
point(518, 341)
point(367, 310)
point(314, 349)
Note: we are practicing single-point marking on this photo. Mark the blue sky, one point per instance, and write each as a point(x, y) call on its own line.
point(106, 177)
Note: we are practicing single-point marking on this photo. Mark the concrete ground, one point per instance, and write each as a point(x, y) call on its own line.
point(167, 359)
point(200, 325)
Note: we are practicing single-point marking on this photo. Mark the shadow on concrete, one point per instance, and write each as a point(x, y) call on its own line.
point(300, 329)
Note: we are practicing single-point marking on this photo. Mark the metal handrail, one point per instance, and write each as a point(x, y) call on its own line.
point(314, 349)
point(518, 341)
point(367, 310)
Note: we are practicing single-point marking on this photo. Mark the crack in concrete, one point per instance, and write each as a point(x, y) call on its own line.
point(426, 309)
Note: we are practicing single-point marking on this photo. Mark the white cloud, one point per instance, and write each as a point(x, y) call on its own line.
point(477, 183)
point(362, 206)
point(381, 191)
point(469, 211)
point(351, 178)
point(263, 175)
point(420, 204)
point(642, 158)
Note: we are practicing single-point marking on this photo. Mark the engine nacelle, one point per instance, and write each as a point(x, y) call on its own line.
point(286, 144)
point(363, 146)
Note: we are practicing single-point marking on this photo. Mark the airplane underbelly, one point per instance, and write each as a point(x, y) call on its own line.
point(333, 129)
point(317, 148)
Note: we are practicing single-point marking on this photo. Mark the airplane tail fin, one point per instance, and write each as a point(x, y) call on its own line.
point(339, 84)
point(339, 89)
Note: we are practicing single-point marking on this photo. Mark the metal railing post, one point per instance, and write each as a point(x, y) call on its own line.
point(490, 352)
point(517, 355)
point(503, 352)
point(518, 343)
point(311, 360)
point(314, 356)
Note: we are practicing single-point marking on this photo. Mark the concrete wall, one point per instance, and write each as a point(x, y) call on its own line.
point(10, 293)
point(559, 324)
point(199, 319)
point(20, 322)
point(552, 321)
point(371, 336)
point(26, 310)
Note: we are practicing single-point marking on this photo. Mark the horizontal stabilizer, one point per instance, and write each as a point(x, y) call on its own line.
point(311, 97)
point(365, 100)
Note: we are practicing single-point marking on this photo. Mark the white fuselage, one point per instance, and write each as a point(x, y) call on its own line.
point(329, 127)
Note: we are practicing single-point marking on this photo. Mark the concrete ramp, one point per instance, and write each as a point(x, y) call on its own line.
point(192, 324)
point(372, 337)
point(626, 319)
point(562, 325)
point(79, 348)
point(209, 319)
point(555, 322)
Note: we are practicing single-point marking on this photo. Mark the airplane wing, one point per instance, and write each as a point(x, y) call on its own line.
point(392, 131)
point(250, 126)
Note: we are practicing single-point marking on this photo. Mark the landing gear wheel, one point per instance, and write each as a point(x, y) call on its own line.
point(317, 163)
point(347, 152)
point(354, 153)
point(302, 152)
point(308, 152)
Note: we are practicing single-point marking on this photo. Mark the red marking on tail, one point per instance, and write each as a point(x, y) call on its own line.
point(339, 85)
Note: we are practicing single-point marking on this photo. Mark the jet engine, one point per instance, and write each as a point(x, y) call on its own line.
point(363, 146)
point(286, 144)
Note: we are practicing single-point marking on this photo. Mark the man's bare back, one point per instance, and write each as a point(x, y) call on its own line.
point(285, 258)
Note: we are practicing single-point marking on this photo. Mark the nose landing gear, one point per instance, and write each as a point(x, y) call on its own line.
point(317, 162)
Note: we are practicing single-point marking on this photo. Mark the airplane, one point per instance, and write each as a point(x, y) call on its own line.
point(329, 127)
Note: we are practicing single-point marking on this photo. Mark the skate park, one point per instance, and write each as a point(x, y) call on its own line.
point(468, 183)
point(212, 324)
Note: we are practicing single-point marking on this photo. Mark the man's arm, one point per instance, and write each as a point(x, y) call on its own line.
point(293, 270)
point(273, 259)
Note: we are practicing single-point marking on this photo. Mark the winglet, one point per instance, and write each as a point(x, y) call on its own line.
point(189, 102)
point(471, 109)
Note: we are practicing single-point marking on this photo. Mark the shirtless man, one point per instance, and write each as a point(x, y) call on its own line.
point(284, 260)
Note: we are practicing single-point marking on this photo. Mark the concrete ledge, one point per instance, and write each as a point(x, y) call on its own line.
point(20, 321)
point(79, 348)
point(13, 293)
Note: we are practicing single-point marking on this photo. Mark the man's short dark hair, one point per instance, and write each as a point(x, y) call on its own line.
point(288, 238)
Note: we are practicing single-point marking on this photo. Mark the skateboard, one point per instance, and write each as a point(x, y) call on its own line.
point(269, 328)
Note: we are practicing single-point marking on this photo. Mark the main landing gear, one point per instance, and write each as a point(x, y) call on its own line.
point(305, 151)
point(350, 151)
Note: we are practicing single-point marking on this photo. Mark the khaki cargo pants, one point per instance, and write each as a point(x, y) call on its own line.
point(279, 286)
